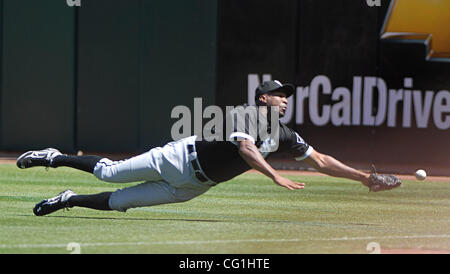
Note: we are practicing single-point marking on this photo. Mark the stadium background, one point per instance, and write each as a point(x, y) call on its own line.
point(105, 76)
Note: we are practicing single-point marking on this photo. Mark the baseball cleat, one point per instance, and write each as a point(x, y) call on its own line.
point(37, 158)
point(53, 204)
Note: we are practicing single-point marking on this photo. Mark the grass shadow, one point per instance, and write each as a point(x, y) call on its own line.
point(124, 218)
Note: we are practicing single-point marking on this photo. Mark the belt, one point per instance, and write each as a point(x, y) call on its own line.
point(198, 172)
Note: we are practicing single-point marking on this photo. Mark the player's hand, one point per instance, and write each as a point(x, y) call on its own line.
point(285, 182)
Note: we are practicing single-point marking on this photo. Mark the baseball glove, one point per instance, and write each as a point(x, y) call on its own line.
point(379, 182)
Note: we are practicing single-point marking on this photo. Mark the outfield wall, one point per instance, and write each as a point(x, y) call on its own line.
point(104, 76)
point(360, 98)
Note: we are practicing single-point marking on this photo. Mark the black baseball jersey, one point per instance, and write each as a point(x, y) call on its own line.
point(220, 159)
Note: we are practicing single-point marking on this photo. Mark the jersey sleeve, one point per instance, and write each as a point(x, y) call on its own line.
point(242, 124)
point(298, 147)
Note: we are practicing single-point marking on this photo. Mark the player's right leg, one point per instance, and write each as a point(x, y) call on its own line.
point(52, 157)
point(169, 163)
point(143, 167)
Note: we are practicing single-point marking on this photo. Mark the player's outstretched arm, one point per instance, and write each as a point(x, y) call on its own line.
point(330, 166)
point(250, 153)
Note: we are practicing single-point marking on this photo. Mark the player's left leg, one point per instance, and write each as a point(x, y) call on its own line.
point(141, 195)
point(154, 193)
point(68, 198)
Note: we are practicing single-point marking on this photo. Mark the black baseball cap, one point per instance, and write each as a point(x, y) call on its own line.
point(273, 86)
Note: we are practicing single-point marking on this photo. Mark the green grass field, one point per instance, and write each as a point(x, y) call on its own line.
point(248, 215)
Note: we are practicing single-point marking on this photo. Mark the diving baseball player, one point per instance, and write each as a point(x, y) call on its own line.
point(184, 169)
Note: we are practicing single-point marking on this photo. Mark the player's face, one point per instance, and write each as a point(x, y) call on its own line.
point(277, 99)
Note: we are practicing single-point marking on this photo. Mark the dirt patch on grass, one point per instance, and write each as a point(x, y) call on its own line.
point(12, 160)
point(315, 173)
point(7, 161)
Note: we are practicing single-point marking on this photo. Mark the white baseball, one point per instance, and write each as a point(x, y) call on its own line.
point(421, 174)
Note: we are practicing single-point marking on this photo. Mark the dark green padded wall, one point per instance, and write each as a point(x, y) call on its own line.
point(104, 76)
point(137, 60)
point(108, 75)
point(37, 97)
point(177, 62)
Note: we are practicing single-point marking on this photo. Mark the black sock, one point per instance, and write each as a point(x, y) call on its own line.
point(85, 163)
point(98, 201)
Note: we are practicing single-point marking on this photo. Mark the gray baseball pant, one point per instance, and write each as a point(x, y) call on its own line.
point(166, 171)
